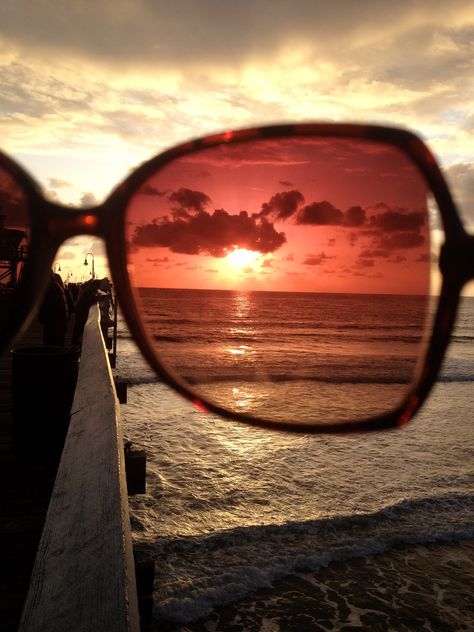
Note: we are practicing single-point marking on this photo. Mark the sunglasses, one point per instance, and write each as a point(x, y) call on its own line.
point(304, 277)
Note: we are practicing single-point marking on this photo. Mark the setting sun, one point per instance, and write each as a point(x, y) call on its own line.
point(241, 257)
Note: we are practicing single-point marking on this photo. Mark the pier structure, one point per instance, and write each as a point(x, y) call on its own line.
point(67, 538)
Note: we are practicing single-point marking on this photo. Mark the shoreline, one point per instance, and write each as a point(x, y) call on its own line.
point(418, 587)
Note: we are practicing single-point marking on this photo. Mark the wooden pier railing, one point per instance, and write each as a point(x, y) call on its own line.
point(84, 577)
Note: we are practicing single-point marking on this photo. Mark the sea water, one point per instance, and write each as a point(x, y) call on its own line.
point(230, 508)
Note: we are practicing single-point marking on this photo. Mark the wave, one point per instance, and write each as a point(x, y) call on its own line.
point(276, 338)
point(135, 380)
point(462, 338)
point(239, 378)
point(253, 557)
point(221, 377)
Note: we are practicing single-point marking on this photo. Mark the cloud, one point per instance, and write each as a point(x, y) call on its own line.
point(320, 214)
point(57, 183)
point(148, 189)
point(159, 33)
point(461, 178)
point(392, 220)
point(355, 216)
point(394, 229)
point(401, 259)
point(88, 200)
point(68, 255)
point(401, 240)
point(216, 233)
point(316, 260)
point(189, 200)
point(326, 214)
point(364, 263)
point(83, 78)
point(371, 253)
point(282, 205)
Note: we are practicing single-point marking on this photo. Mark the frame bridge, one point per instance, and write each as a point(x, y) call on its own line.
point(65, 222)
point(457, 259)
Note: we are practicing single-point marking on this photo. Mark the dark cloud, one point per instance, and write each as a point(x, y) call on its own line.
point(393, 221)
point(427, 257)
point(210, 233)
point(364, 263)
point(189, 200)
point(316, 260)
point(355, 216)
point(149, 189)
point(157, 34)
point(286, 183)
point(370, 253)
point(352, 238)
point(397, 241)
point(393, 229)
point(320, 214)
point(283, 205)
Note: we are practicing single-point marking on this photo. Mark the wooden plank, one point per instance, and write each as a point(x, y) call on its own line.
point(84, 578)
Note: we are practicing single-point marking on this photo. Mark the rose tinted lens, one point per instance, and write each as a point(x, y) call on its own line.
point(14, 223)
point(287, 279)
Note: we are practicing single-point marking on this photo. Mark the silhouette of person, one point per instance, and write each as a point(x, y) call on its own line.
point(54, 313)
point(86, 298)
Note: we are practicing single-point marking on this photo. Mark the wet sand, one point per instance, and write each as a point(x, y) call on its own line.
point(429, 587)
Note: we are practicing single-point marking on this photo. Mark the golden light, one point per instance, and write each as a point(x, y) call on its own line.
point(241, 257)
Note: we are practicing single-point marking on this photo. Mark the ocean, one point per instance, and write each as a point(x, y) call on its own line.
point(232, 510)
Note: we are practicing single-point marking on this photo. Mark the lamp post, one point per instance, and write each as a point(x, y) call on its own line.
point(57, 269)
point(86, 263)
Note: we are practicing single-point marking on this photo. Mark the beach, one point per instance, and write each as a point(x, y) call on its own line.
point(423, 587)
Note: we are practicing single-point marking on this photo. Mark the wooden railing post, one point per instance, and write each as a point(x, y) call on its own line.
point(84, 577)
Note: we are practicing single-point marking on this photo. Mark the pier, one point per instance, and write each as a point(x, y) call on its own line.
point(67, 555)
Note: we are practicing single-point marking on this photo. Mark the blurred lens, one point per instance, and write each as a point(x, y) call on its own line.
point(13, 243)
point(287, 279)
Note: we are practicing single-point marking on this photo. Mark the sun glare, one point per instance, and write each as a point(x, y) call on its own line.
point(241, 257)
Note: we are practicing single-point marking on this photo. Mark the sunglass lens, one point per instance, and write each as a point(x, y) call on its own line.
point(288, 278)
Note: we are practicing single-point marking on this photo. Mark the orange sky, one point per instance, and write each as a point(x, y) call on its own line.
point(295, 215)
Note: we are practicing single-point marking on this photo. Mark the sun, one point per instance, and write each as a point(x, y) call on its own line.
point(241, 257)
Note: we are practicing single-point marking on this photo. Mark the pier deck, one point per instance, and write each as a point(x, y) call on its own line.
point(24, 500)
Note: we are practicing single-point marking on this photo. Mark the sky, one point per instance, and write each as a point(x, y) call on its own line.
point(89, 90)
